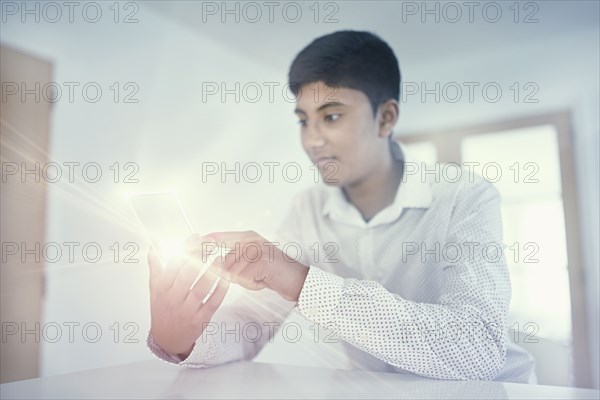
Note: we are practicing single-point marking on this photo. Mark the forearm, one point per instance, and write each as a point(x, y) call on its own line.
point(431, 340)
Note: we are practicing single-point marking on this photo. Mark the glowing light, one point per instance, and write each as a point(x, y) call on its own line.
point(170, 248)
point(164, 222)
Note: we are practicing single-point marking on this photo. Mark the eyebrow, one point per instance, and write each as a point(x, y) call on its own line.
point(322, 107)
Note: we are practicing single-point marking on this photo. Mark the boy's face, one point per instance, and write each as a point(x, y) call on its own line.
point(339, 132)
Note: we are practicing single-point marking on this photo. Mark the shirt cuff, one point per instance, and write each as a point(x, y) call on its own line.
point(320, 296)
point(160, 353)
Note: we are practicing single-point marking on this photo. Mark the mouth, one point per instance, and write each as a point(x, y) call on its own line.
point(323, 161)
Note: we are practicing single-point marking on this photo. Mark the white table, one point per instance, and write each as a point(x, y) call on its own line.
point(157, 379)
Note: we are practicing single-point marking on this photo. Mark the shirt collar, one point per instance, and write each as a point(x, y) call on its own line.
point(413, 192)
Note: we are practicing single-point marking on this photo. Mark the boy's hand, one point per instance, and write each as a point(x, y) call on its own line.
point(178, 314)
point(255, 263)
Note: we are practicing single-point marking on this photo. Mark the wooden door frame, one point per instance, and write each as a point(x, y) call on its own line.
point(24, 138)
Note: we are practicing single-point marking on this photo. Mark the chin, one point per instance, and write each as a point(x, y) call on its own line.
point(333, 181)
point(332, 177)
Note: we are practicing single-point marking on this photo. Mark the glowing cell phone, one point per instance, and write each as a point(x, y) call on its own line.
point(165, 223)
point(167, 226)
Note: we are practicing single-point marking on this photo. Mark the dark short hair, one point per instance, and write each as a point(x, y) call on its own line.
point(353, 59)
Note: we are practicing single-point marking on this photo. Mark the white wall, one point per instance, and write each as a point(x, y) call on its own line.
point(170, 132)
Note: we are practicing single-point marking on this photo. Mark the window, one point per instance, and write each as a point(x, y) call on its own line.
point(524, 165)
point(530, 161)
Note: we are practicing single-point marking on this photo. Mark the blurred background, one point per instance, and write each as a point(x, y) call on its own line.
point(111, 98)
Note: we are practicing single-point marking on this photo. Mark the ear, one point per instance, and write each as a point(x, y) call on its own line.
point(389, 112)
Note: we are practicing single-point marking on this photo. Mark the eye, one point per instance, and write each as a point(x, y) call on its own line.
point(302, 122)
point(332, 117)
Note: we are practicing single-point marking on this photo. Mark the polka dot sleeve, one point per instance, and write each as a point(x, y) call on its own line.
point(459, 336)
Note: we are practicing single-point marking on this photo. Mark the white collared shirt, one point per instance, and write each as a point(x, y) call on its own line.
point(420, 288)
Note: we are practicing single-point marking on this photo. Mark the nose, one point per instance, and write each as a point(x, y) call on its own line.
point(313, 137)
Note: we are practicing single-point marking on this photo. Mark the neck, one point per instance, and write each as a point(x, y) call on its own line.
point(378, 189)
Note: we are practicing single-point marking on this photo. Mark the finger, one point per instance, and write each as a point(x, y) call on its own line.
point(244, 269)
point(186, 277)
point(225, 263)
point(154, 265)
point(248, 275)
point(193, 242)
point(230, 239)
point(169, 273)
point(200, 246)
point(210, 249)
point(208, 309)
point(203, 286)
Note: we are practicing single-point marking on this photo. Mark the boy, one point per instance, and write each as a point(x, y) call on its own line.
point(396, 306)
